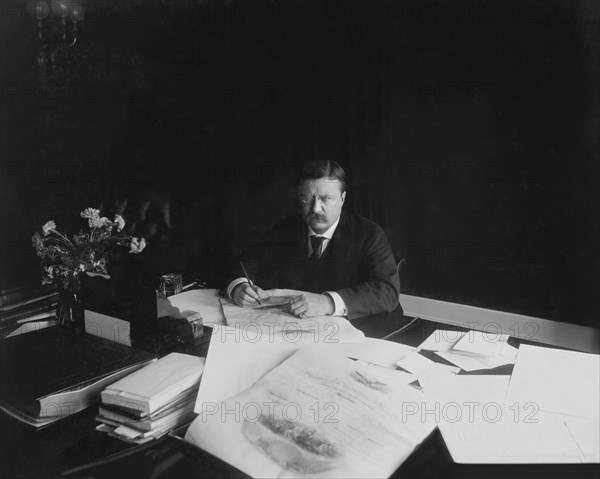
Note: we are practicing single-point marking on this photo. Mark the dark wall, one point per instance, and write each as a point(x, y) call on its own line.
point(469, 131)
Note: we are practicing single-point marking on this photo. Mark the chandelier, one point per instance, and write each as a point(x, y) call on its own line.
point(62, 56)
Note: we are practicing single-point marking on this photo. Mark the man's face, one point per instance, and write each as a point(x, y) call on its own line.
point(321, 202)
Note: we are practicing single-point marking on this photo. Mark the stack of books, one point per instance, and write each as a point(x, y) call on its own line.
point(152, 401)
point(26, 309)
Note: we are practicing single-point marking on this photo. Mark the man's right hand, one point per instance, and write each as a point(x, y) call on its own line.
point(246, 296)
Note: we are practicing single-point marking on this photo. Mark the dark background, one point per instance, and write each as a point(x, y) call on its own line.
point(469, 131)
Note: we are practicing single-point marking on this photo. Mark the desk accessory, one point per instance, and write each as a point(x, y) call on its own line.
point(170, 284)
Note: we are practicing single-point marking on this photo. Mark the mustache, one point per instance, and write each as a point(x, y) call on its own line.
point(316, 217)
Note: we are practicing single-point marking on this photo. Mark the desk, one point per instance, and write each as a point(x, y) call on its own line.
point(26, 453)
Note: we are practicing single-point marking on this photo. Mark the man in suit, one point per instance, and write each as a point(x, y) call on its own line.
point(341, 262)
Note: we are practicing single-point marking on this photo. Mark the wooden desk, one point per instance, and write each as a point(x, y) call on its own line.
point(74, 442)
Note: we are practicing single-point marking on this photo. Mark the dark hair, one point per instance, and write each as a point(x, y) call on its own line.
point(317, 169)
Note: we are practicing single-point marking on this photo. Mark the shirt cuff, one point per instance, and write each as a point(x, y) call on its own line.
point(233, 284)
point(338, 304)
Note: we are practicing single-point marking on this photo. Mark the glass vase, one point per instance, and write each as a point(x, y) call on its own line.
point(69, 310)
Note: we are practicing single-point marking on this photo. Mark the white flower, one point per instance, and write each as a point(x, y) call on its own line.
point(50, 271)
point(120, 222)
point(48, 227)
point(90, 213)
point(97, 222)
point(137, 245)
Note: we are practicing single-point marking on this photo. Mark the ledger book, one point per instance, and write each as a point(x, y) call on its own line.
point(53, 373)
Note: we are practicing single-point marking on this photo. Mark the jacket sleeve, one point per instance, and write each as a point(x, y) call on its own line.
point(379, 289)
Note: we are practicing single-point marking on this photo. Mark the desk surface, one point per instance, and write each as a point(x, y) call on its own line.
point(74, 442)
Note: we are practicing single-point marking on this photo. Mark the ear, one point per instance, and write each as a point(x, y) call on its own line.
point(343, 197)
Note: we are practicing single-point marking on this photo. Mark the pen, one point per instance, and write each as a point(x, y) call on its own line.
point(249, 280)
point(188, 286)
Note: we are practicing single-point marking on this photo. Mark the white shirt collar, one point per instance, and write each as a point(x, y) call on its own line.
point(328, 234)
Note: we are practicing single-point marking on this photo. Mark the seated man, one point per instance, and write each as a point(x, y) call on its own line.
point(342, 262)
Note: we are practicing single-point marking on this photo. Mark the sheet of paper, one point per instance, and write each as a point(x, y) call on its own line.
point(464, 388)
point(244, 362)
point(29, 327)
point(586, 433)
point(556, 380)
point(276, 322)
point(316, 414)
point(107, 327)
point(441, 340)
point(478, 427)
point(233, 365)
point(376, 351)
point(504, 435)
point(37, 317)
point(415, 363)
point(436, 371)
point(474, 362)
point(172, 374)
point(479, 342)
point(401, 376)
point(203, 301)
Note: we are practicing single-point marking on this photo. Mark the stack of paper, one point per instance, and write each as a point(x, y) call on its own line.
point(471, 350)
point(152, 401)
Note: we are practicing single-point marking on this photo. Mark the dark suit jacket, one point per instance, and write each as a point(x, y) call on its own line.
point(358, 264)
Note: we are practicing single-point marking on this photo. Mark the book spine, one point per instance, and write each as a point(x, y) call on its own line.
point(29, 303)
point(13, 316)
point(13, 295)
point(17, 299)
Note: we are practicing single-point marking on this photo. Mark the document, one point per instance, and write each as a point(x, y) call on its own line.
point(586, 433)
point(203, 301)
point(437, 370)
point(33, 326)
point(233, 365)
point(245, 362)
point(316, 414)
point(442, 340)
point(471, 350)
point(478, 427)
point(504, 435)
point(154, 386)
point(481, 342)
point(474, 362)
point(415, 363)
point(375, 351)
point(278, 323)
point(557, 380)
point(107, 327)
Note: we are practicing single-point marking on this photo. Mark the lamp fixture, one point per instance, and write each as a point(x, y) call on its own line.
point(59, 30)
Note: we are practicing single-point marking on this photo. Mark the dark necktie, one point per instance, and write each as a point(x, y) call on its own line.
point(316, 242)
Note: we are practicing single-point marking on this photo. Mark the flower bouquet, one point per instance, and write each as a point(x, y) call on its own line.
point(65, 260)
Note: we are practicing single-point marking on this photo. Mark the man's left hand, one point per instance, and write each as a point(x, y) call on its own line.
point(307, 305)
